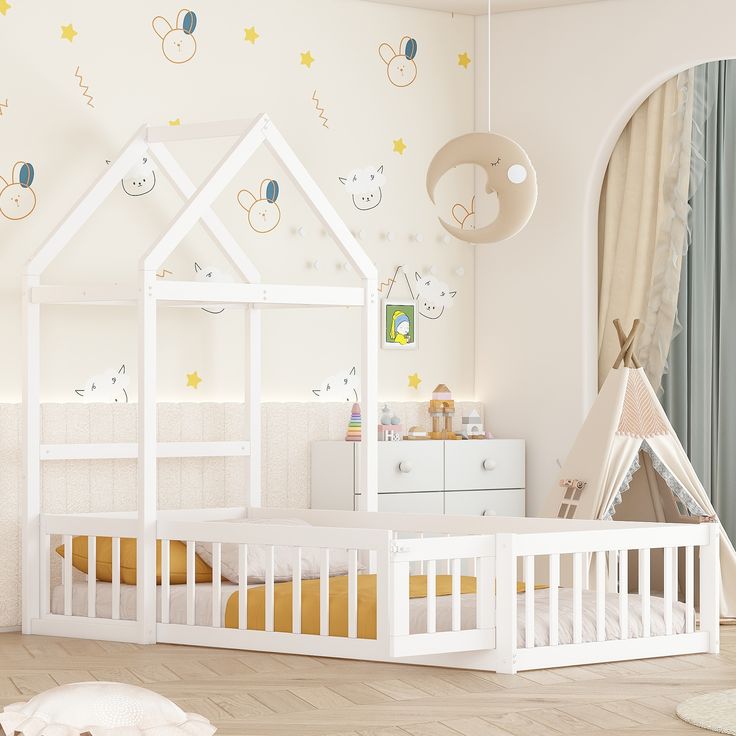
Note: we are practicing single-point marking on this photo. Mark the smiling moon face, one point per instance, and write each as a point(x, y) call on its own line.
point(509, 173)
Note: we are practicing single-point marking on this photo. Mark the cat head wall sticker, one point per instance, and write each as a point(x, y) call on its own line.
point(463, 216)
point(206, 275)
point(177, 42)
point(17, 199)
point(365, 186)
point(432, 296)
point(140, 180)
point(400, 67)
point(263, 212)
point(108, 387)
point(340, 387)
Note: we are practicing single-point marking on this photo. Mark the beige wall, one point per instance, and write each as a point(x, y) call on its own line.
point(48, 123)
point(565, 82)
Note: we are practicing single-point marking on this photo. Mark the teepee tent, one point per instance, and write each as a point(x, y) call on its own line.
point(627, 464)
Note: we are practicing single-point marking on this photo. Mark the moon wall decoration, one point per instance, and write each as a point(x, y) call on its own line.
point(509, 173)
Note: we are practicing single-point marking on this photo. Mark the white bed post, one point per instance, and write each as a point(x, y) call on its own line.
point(253, 401)
point(710, 588)
point(31, 542)
point(368, 481)
point(147, 458)
point(506, 634)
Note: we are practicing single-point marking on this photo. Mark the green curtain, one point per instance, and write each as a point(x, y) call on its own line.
point(700, 386)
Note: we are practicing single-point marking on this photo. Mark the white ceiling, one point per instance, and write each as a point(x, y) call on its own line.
point(479, 7)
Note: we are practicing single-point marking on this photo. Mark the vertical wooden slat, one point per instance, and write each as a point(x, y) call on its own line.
point(216, 584)
point(529, 601)
point(612, 571)
point(577, 597)
point(675, 579)
point(269, 587)
point(296, 591)
point(668, 590)
point(448, 562)
point(455, 568)
point(422, 569)
point(243, 586)
point(554, 592)
point(710, 589)
point(600, 596)
point(190, 584)
point(645, 592)
point(324, 592)
point(689, 590)
point(352, 593)
point(45, 602)
point(67, 575)
point(484, 592)
point(92, 577)
point(431, 596)
point(116, 578)
point(165, 580)
point(623, 594)
point(400, 599)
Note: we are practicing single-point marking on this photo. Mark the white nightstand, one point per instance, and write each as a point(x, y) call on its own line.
point(433, 476)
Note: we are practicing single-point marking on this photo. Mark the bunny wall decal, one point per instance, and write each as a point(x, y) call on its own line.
point(263, 212)
point(400, 68)
point(17, 199)
point(177, 43)
point(463, 216)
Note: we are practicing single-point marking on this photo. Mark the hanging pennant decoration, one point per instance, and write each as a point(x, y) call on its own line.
point(509, 173)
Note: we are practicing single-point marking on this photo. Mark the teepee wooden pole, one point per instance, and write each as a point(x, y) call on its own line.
point(626, 354)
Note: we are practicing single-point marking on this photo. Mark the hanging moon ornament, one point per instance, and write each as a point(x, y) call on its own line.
point(509, 173)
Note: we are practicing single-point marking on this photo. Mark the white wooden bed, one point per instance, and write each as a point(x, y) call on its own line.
point(593, 618)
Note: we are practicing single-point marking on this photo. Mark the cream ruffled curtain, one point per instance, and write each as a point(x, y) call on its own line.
point(642, 226)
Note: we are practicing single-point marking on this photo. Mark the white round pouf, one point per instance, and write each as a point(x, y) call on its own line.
point(101, 709)
point(712, 711)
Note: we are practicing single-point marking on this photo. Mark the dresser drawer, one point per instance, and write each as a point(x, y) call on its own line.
point(484, 464)
point(411, 503)
point(507, 502)
point(410, 466)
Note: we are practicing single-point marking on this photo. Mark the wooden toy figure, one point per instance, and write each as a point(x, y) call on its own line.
point(441, 406)
point(354, 426)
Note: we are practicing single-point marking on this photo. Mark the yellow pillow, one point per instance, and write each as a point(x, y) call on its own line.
point(128, 561)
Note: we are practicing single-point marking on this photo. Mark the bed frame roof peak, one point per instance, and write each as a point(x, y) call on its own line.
point(151, 140)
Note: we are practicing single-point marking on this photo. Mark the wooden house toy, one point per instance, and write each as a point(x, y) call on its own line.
point(472, 426)
point(442, 409)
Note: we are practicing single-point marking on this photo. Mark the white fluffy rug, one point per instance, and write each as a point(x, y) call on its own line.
point(712, 711)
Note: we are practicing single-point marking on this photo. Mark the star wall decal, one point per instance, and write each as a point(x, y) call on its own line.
point(463, 60)
point(193, 379)
point(399, 146)
point(4, 7)
point(251, 35)
point(414, 381)
point(175, 122)
point(307, 59)
point(68, 33)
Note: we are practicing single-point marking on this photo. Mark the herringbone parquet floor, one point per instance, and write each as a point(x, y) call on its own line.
point(250, 693)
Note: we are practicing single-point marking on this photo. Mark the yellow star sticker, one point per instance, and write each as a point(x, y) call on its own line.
point(193, 379)
point(307, 59)
point(175, 122)
point(414, 381)
point(4, 7)
point(251, 35)
point(399, 146)
point(463, 60)
point(68, 32)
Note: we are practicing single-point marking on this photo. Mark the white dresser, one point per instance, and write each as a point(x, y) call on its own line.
point(433, 477)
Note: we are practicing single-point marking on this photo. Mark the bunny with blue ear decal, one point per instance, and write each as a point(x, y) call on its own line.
point(177, 43)
point(263, 212)
point(17, 199)
point(400, 68)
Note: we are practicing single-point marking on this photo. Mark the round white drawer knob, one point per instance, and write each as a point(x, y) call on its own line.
point(405, 467)
point(489, 464)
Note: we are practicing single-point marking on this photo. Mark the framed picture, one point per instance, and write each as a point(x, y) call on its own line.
point(399, 325)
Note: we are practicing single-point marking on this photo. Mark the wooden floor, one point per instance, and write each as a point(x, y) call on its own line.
point(252, 693)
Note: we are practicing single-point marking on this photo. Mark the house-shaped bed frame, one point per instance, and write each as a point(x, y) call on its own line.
point(495, 628)
point(151, 140)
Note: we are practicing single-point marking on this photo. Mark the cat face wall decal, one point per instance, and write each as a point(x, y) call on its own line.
point(108, 387)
